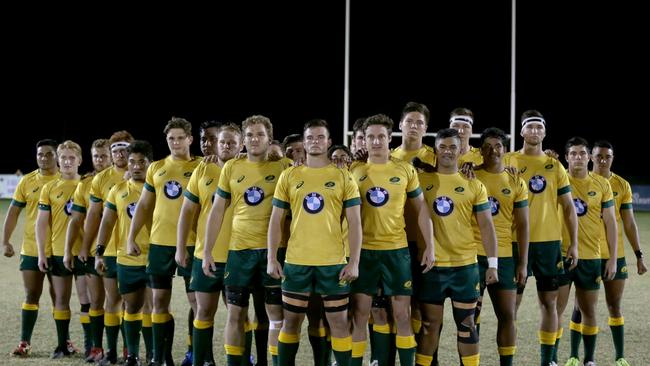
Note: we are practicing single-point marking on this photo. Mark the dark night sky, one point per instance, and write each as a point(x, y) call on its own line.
point(81, 77)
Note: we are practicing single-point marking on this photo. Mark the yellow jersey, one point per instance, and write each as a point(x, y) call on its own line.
point(56, 197)
point(123, 199)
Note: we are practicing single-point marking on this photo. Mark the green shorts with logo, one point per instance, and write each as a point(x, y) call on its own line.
point(587, 274)
point(29, 263)
point(131, 278)
point(161, 260)
point(621, 268)
point(461, 284)
point(110, 264)
point(545, 259)
point(89, 266)
point(202, 283)
point(323, 280)
point(389, 270)
point(247, 268)
point(505, 271)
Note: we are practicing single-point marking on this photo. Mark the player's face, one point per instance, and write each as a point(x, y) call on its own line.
point(69, 161)
point(340, 156)
point(229, 145)
point(256, 139)
point(533, 133)
point(316, 141)
point(119, 156)
point(464, 129)
point(492, 150)
point(101, 158)
point(377, 140)
point(602, 157)
point(358, 142)
point(209, 141)
point(447, 150)
point(137, 165)
point(295, 150)
point(178, 142)
point(413, 125)
point(578, 158)
point(46, 157)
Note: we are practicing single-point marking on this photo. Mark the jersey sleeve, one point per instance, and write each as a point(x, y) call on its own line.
point(413, 186)
point(79, 200)
point(608, 195)
point(626, 200)
point(351, 195)
point(111, 201)
point(223, 189)
point(149, 184)
point(192, 191)
point(563, 185)
point(281, 195)
point(521, 193)
point(20, 199)
point(44, 203)
point(481, 199)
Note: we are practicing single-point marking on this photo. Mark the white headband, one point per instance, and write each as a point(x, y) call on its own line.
point(533, 119)
point(466, 119)
point(119, 144)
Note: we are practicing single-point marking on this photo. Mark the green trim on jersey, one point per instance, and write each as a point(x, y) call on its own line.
point(521, 204)
point(281, 204)
point(190, 196)
point(414, 193)
point(149, 187)
point(223, 194)
point(110, 205)
point(563, 190)
point(79, 209)
point(481, 207)
point(352, 202)
point(609, 203)
point(95, 199)
point(43, 207)
point(626, 206)
point(18, 203)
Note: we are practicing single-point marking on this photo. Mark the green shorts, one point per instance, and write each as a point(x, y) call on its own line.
point(621, 268)
point(545, 259)
point(131, 278)
point(29, 263)
point(89, 266)
point(57, 268)
point(389, 270)
point(323, 280)
point(247, 268)
point(202, 283)
point(506, 273)
point(186, 271)
point(110, 263)
point(161, 260)
point(564, 278)
point(461, 284)
point(587, 274)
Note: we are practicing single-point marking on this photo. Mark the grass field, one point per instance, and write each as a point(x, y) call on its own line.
point(637, 294)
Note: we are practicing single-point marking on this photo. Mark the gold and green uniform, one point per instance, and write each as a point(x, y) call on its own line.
point(26, 195)
point(424, 153)
point(122, 199)
point(56, 197)
point(473, 156)
point(99, 188)
point(80, 203)
point(622, 201)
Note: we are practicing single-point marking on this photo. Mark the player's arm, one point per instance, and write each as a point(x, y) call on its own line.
point(489, 240)
point(143, 212)
point(42, 223)
point(426, 228)
point(109, 218)
point(91, 224)
point(523, 236)
point(212, 229)
point(274, 236)
point(632, 234)
point(351, 271)
point(609, 218)
point(11, 220)
point(571, 222)
point(185, 223)
point(71, 235)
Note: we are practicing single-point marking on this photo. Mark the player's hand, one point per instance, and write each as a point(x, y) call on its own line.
point(610, 269)
point(181, 258)
point(552, 153)
point(640, 266)
point(350, 272)
point(467, 169)
point(572, 256)
point(8, 250)
point(42, 264)
point(274, 269)
point(342, 163)
point(298, 161)
point(68, 261)
point(522, 274)
point(211, 159)
point(132, 248)
point(208, 265)
point(274, 156)
point(360, 155)
point(100, 266)
point(428, 259)
point(83, 255)
point(491, 276)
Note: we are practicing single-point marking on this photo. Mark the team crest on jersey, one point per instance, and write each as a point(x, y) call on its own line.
point(363, 178)
point(173, 189)
point(494, 205)
point(330, 184)
point(300, 184)
point(581, 206)
point(591, 193)
point(523, 170)
point(130, 209)
point(59, 195)
point(377, 196)
point(209, 181)
point(269, 178)
point(313, 203)
point(162, 173)
point(408, 284)
point(394, 180)
point(240, 179)
point(187, 174)
point(67, 208)
point(459, 189)
point(35, 189)
point(537, 184)
point(506, 191)
point(429, 187)
point(443, 206)
point(615, 194)
point(124, 194)
point(254, 195)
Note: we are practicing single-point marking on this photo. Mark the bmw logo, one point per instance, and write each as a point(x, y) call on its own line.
point(581, 206)
point(130, 209)
point(494, 205)
point(68, 207)
point(537, 184)
point(254, 195)
point(313, 203)
point(377, 196)
point(173, 189)
point(443, 206)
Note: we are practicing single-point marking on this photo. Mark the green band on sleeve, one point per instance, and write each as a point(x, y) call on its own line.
point(223, 194)
point(191, 197)
point(110, 205)
point(481, 207)
point(626, 206)
point(414, 193)
point(281, 204)
point(79, 209)
point(149, 187)
point(563, 190)
point(521, 204)
point(609, 203)
point(18, 203)
point(43, 207)
point(95, 199)
point(352, 202)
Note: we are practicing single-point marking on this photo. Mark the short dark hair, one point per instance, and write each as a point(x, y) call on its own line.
point(290, 139)
point(177, 122)
point(358, 125)
point(47, 142)
point(209, 124)
point(141, 147)
point(381, 120)
point(316, 123)
point(333, 148)
point(604, 144)
point(494, 132)
point(576, 141)
point(447, 132)
point(415, 107)
point(462, 111)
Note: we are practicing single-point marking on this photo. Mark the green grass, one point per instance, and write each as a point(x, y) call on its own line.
point(637, 294)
